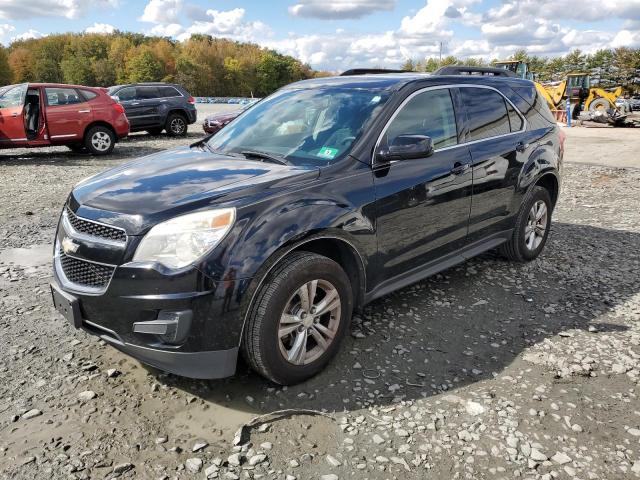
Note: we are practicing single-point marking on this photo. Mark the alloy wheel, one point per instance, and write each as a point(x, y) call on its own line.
point(309, 322)
point(177, 125)
point(536, 227)
point(101, 141)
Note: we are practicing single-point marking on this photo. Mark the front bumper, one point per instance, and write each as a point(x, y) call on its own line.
point(140, 308)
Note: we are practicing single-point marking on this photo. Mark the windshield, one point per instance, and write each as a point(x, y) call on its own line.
point(304, 127)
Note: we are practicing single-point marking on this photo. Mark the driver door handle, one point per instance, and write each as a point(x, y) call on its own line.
point(459, 168)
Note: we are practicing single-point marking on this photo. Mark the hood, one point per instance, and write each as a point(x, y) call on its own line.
point(168, 181)
point(221, 117)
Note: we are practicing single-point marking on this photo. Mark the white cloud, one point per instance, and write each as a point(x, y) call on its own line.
point(170, 30)
point(339, 9)
point(28, 35)
point(162, 11)
point(102, 28)
point(626, 38)
point(25, 9)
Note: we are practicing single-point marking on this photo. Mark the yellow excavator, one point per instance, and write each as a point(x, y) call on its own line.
point(577, 87)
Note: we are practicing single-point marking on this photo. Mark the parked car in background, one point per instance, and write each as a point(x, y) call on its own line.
point(154, 107)
point(45, 114)
point(215, 122)
point(323, 197)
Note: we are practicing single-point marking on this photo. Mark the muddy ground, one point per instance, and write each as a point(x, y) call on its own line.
point(491, 370)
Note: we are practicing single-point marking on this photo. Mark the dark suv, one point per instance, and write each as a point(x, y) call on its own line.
point(154, 107)
point(326, 195)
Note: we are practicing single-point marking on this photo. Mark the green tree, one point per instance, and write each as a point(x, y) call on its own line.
point(409, 65)
point(6, 75)
point(143, 66)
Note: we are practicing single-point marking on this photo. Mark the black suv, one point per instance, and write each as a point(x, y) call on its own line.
point(156, 106)
point(330, 193)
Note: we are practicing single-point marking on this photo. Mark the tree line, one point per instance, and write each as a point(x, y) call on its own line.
point(205, 66)
point(208, 66)
point(607, 67)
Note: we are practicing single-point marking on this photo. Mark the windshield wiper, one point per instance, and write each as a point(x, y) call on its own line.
point(265, 156)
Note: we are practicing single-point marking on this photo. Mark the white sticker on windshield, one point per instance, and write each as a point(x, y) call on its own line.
point(376, 99)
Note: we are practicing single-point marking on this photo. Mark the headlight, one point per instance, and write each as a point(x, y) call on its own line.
point(181, 241)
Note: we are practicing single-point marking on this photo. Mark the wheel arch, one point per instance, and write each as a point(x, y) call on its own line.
point(100, 123)
point(331, 244)
point(550, 182)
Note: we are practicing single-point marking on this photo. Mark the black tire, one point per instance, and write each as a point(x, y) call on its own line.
point(599, 104)
point(261, 343)
point(176, 125)
point(155, 131)
point(517, 249)
point(77, 148)
point(99, 140)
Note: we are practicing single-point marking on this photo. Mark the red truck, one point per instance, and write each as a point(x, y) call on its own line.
point(46, 114)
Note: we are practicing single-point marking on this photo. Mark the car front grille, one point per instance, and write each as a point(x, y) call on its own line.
point(96, 229)
point(84, 273)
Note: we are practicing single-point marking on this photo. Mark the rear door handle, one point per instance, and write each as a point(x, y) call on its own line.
point(521, 147)
point(15, 114)
point(459, 168)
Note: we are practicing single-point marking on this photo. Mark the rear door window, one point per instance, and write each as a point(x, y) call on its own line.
point(486, 112)
point(62, 96)
point(515, 120)
point(146, 93)
point(428, 113)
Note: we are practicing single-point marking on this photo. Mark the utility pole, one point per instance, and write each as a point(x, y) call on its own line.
point(440, 52)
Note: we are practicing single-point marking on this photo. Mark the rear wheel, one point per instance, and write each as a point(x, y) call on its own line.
point(532, 227)
point(176, 125)
point(298, 318)
point(99, 140)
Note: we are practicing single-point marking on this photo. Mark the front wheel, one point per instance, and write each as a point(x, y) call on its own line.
point(298, 318)
point(532, 227)
point(99, 140)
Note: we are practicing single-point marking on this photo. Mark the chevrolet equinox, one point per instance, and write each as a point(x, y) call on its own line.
point(332, 192)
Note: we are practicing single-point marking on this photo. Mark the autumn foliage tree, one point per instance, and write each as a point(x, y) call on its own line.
point(206, 66)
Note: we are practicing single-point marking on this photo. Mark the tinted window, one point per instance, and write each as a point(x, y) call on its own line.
point(515, 120)
point(126, 94)
point(486, 111)
point(13, 97)
point(429, 113)
point(88, 94)
point(167, 92)
point(62, 96)
point(146, 93)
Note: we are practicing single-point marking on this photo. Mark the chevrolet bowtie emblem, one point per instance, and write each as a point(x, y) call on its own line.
point(69, 246)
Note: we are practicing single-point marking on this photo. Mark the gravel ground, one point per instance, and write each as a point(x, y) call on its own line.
point(491, 370)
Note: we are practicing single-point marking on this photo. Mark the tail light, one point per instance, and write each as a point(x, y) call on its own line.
point(192, 100)
point(118, 108)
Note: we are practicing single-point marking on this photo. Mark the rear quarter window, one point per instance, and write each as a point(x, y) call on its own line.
point(88, 94)
point(168, 91)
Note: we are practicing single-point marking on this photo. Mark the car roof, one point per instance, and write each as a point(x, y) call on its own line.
point(396, 81)
point(61, 85)
point(146, 84)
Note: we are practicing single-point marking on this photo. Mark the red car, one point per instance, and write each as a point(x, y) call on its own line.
point(45, 114)
point(215, 122)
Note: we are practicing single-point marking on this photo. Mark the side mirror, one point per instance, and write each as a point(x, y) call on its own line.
point(406, 147)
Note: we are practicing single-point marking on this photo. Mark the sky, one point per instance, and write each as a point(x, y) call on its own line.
point(339, 34)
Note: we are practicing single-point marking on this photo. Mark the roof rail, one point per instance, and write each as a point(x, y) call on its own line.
point(469, 70)
point(368, 71)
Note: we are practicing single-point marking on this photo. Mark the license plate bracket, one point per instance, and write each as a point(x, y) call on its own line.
point(67, 305)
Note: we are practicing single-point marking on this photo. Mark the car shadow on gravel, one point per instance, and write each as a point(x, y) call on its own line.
point(459, 327)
